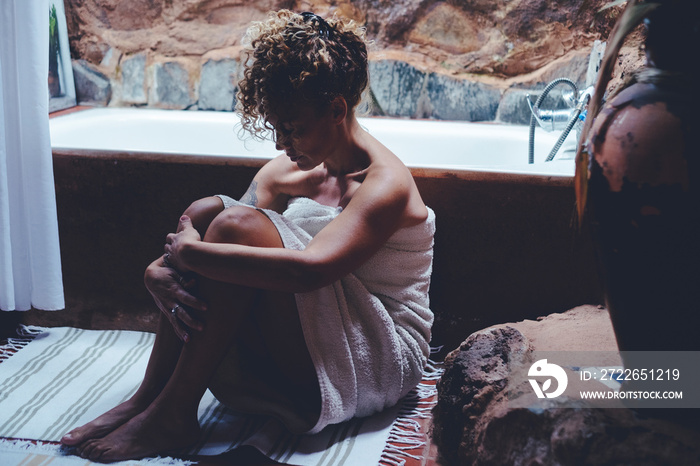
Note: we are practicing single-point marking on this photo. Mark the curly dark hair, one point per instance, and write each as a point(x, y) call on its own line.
point(295, 59)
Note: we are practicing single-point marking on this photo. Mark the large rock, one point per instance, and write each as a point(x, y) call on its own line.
point(91, 86)
point(475, 374)
point(460, 99)
point(487, 415)
point(450, 28)
point(171, 86)
point(566, 436)
point(218, 85)
point(133, 79)
point(402, 90)
point(397, 87)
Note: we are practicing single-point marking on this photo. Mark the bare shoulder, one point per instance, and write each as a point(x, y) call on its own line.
point(279, 166)
point(279, 180)
point(267, 190)
point(390, 185)
point(286, 176)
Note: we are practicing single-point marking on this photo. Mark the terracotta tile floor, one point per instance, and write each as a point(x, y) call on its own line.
point(428, 454)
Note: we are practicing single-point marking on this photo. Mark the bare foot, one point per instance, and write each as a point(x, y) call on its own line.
point(148, 434)
point(104, 424)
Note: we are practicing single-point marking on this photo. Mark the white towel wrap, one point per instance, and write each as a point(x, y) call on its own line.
point(368, 333)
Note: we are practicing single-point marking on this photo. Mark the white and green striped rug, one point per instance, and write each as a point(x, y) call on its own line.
point(66, 377)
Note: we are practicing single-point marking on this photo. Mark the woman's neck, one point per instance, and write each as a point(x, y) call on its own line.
point(351, 156)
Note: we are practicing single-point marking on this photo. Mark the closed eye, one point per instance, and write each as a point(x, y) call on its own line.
point(292, 130)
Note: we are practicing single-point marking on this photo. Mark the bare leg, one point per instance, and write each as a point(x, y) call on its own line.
point(164, 356)
point(163, 359)
point(170, 421)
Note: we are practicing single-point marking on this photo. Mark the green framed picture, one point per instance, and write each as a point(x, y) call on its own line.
point(60, 79)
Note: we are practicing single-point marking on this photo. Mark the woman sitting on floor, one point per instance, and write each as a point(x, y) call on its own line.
point(308, 299)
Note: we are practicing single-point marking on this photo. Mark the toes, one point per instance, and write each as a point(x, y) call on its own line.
point(98, 453)
point(82, 449)
point(77, 436)
point(92, 450)
point(85, 449)
point(71, 439)
point(96, 450)
point(102, 456)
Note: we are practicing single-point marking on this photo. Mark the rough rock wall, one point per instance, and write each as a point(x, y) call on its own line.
point(487, 415)
point(448, 59)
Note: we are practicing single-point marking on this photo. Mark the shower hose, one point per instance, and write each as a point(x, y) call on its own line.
point(567, 130)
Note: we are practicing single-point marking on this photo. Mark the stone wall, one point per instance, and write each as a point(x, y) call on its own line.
point(468, 60)
point(397, 88)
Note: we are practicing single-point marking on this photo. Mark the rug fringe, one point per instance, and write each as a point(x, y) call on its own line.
point(34, 446)
point(25, 334)
point(405, 434)
point(30, 330)
point(54, 450)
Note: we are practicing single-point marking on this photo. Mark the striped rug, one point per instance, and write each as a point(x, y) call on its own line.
point(66, 377)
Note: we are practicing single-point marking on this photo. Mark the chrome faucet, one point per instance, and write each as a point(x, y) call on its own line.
point(555, 120)
point(552, 120)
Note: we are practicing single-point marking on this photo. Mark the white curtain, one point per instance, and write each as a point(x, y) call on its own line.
point(30, 263)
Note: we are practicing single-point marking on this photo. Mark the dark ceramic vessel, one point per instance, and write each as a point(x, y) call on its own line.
point(643, 195)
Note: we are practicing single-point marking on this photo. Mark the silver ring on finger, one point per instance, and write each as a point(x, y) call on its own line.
point(173, 311)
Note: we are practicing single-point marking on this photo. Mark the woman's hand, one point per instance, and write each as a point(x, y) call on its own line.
point(175, 243)
point(173, 296)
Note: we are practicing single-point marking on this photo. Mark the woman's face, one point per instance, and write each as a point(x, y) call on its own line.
point(305, 134)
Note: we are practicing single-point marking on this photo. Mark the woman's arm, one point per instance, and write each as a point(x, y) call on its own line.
point(372, 216)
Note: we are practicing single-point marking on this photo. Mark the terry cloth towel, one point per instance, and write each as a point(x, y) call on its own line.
point(368, 333)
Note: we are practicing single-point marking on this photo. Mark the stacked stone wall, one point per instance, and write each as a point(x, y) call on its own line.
point(397, 88)
point(470, 60)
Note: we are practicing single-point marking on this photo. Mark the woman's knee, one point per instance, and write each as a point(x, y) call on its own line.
point(243, 225)
point(203, 211)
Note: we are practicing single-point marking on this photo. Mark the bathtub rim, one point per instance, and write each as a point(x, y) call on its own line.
point(466, 174)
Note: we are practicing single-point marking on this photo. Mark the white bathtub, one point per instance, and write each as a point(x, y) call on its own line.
point(428, 144)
